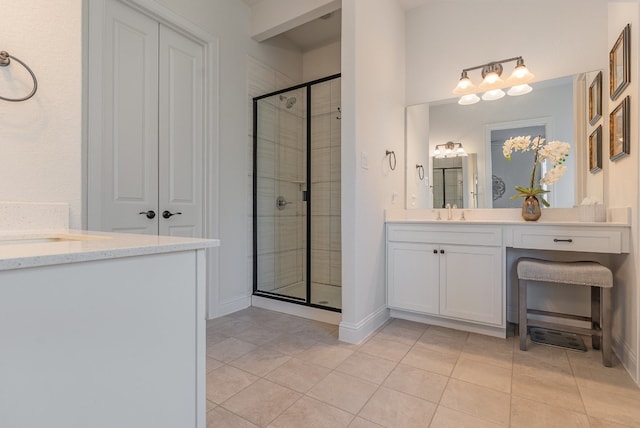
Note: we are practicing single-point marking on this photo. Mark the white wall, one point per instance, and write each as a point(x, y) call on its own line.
point(229, 21)
point(373, 121)
point(40, 139)
point(556, 38)
point(621, 189)
point(272, 17)
point(321, 62)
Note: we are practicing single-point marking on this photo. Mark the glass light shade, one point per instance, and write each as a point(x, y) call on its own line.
point(520, 76)
point(491, 81)
point(492, 95)
point(519, 90)
point(436, 152)
point(464, 86)
point(466, 100)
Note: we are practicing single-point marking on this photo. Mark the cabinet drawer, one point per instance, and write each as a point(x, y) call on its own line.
point(562, 239)
point(443, 234)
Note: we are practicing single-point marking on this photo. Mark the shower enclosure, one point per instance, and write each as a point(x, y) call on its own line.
point(296, 194)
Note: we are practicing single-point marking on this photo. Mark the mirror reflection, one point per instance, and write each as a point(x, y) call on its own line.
point(482, 128)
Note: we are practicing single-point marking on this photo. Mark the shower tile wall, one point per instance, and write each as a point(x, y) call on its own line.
point(281, 253)
point(326, 257)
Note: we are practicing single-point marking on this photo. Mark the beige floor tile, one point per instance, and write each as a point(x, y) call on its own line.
point(448, 418)
point(602, 423)
point(258, 335)
point(229, 349)
point(616, 403)
point(325, 355)
point(540, 354)
point(213, 364)
point(233, 327)
point(261, 402)
point(260, 361)
point(311, 413)
point(428, 359)
point(298, 375)
point(292, 344)
point(222, 418)
point(358, 422)
point(392, 351)
point(214, 337)
point(491, 350)
point(211, 405)
point(367, 367)
point(478, 401)
point(558, 389)
point(420, 383)
point(532, 414)
point(343, 391)
point(216, 322)
point(226, 381)
point(483, 374)
point(391, 408)
point(398, 332)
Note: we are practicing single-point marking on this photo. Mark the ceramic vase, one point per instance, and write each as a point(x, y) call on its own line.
point(531, 208)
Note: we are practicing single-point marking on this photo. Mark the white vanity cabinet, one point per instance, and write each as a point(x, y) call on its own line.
point(452, 273)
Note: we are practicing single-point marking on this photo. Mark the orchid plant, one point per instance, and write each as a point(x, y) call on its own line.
point(555, 152)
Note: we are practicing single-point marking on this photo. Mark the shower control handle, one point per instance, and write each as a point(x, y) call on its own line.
point(167, 214)
point(150, 214)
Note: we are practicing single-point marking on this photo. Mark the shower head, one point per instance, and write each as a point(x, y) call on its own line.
point(290, 100)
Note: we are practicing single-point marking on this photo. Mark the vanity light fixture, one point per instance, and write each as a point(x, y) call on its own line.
point(492, 83)
point(449, 150)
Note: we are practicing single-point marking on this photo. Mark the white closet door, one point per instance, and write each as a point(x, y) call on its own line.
point(181, 141)
point(130, 137)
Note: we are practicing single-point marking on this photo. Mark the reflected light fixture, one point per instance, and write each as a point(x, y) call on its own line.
point(449, 150)
point(492, 82)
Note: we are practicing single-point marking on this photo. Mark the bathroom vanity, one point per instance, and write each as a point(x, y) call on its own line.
point(456, 273)
point(102, 330)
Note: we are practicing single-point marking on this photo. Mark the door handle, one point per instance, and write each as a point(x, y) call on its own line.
point(167, 214)
point(150, 214)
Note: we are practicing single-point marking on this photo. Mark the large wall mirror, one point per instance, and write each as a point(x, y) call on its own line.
point(484, 178)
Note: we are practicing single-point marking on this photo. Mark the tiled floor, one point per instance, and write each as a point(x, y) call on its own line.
point(272, 370)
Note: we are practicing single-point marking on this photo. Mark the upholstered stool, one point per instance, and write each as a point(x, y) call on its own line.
point(590, 274)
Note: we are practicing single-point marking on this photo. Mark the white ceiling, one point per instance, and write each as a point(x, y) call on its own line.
point(321, 32)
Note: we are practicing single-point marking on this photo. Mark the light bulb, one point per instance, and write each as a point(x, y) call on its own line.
point(464, 86)
point(492, 95)
point(466, 100)
point(491, 81)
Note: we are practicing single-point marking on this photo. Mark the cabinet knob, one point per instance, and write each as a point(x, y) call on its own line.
point(435, 251)
point(441, 251)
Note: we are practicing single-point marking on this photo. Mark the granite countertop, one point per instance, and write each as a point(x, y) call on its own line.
point(25, 249)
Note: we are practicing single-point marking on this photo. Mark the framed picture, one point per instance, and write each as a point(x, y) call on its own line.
point(620, 64)
point(595, 99)
point(595, 150)
point(619, 130)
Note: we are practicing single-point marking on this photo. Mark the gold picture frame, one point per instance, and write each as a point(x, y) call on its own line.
point(595, 99)
point(620, 64)
point(595, 150)
point(619, 132)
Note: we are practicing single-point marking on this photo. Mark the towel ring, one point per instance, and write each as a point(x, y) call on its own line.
point(392, 159)
point(420, 169)
point(5, 60)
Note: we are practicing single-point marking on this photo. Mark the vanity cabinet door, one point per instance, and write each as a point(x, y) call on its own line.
point(470, 278)
point(413, 277)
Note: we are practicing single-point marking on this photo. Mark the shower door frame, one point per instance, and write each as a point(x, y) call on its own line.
point(308, 197)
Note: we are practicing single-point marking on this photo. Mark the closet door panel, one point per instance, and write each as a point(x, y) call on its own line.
point(181, 137)
point(130, 149)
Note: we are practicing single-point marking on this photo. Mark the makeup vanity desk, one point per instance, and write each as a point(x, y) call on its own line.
point(460, 273)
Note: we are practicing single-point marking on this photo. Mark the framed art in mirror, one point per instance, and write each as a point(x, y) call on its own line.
point(620, 64)
point(595, 150)
point(619, 134)
point(595, 99)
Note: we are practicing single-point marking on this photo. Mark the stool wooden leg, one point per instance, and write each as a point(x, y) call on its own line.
point(596, 320)
point(522, 314)
point(605, 301)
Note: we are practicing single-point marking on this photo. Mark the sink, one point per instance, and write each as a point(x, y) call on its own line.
point(36, 239)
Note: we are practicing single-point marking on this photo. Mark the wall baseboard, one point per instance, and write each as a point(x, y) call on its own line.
point(451, 323)
point(358, 332)
point(627, 358)
point(229, 307)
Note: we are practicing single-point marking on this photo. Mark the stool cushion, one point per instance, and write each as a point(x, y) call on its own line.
point(579, 273)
